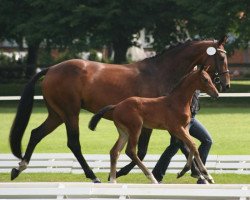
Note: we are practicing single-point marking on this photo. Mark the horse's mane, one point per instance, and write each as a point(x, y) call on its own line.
point(173, 46)
point(169, 48)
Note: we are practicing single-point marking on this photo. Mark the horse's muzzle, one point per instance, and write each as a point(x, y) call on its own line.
point(215, 95)
point(223, 88)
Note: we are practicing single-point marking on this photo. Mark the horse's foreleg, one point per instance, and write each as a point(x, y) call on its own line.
point(194, 166)
point(75, 147)
point(202, 168)
point(185, 137)
point(142, 151)
point(36, 136)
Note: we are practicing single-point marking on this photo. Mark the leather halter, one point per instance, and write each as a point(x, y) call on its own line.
point(217, 71)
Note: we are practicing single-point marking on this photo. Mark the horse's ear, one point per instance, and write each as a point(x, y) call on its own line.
point(223, 40)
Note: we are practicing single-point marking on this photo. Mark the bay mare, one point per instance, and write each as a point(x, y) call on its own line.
point(78, 84)
point(171, 113)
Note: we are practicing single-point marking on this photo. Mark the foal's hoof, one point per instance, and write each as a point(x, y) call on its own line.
point(14, 173)
point(209, 178)
point(211, 181)
point(96, 180)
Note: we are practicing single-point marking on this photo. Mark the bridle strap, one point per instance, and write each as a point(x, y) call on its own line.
point(221, 50)
point(217, 73)
point(227, 71)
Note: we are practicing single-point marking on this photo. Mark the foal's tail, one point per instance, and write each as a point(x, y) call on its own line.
point(23, 115)
point(97, 117)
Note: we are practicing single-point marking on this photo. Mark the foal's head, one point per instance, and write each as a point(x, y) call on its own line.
point(206, 84)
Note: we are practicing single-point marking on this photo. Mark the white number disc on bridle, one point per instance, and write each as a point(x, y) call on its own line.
point(211, 51)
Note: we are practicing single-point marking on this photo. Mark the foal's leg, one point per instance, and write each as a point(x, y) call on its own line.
point(187, 167)
point(37, 135)
point(142, 151)
point(187, 139)
point(131, 152)
point(186, 152)
point(115, 152)
point(202, 168)
point(74, 145)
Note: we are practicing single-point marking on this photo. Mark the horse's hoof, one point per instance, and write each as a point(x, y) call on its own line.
point(211, 181)
point(14, 173)
point(179, 175)
point(202, 181)
point(209, 178)
point(96, 180)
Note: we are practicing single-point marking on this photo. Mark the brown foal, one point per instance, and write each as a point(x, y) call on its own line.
point(171, 113)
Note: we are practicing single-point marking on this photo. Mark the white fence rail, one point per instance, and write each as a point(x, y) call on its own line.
point(66, 163)
point(92, 191)
point(15, 98)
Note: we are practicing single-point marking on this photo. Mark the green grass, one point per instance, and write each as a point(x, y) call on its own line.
point(226, 125)
point(130, 178)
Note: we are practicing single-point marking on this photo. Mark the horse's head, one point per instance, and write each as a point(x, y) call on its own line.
point(216, 57)
point(206, 83)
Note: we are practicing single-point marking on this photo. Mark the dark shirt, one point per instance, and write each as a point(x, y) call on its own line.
point(195, 105)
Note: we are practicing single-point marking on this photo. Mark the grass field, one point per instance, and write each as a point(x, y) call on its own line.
point(130, 178)
point(228, 121)
point(229, 128)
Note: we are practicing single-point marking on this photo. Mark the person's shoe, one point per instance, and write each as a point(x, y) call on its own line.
point(202, 181)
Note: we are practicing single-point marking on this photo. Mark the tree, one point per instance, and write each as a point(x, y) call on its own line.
point(79, 25)
point(38, 22)
point(216, 18)
point(115, 23)
point(18, 21)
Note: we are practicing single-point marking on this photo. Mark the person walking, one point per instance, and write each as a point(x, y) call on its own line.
point(197, 130)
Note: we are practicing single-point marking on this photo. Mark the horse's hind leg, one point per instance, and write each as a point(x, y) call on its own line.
point(36, 136)
point(115, 152)
point(131, 152)
point(74, 145)
point(142, 151)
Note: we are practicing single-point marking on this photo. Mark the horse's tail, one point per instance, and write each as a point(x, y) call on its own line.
point(97, 117)
point(23, 115)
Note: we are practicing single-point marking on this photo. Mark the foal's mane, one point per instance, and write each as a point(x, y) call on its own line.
point(181, 81)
